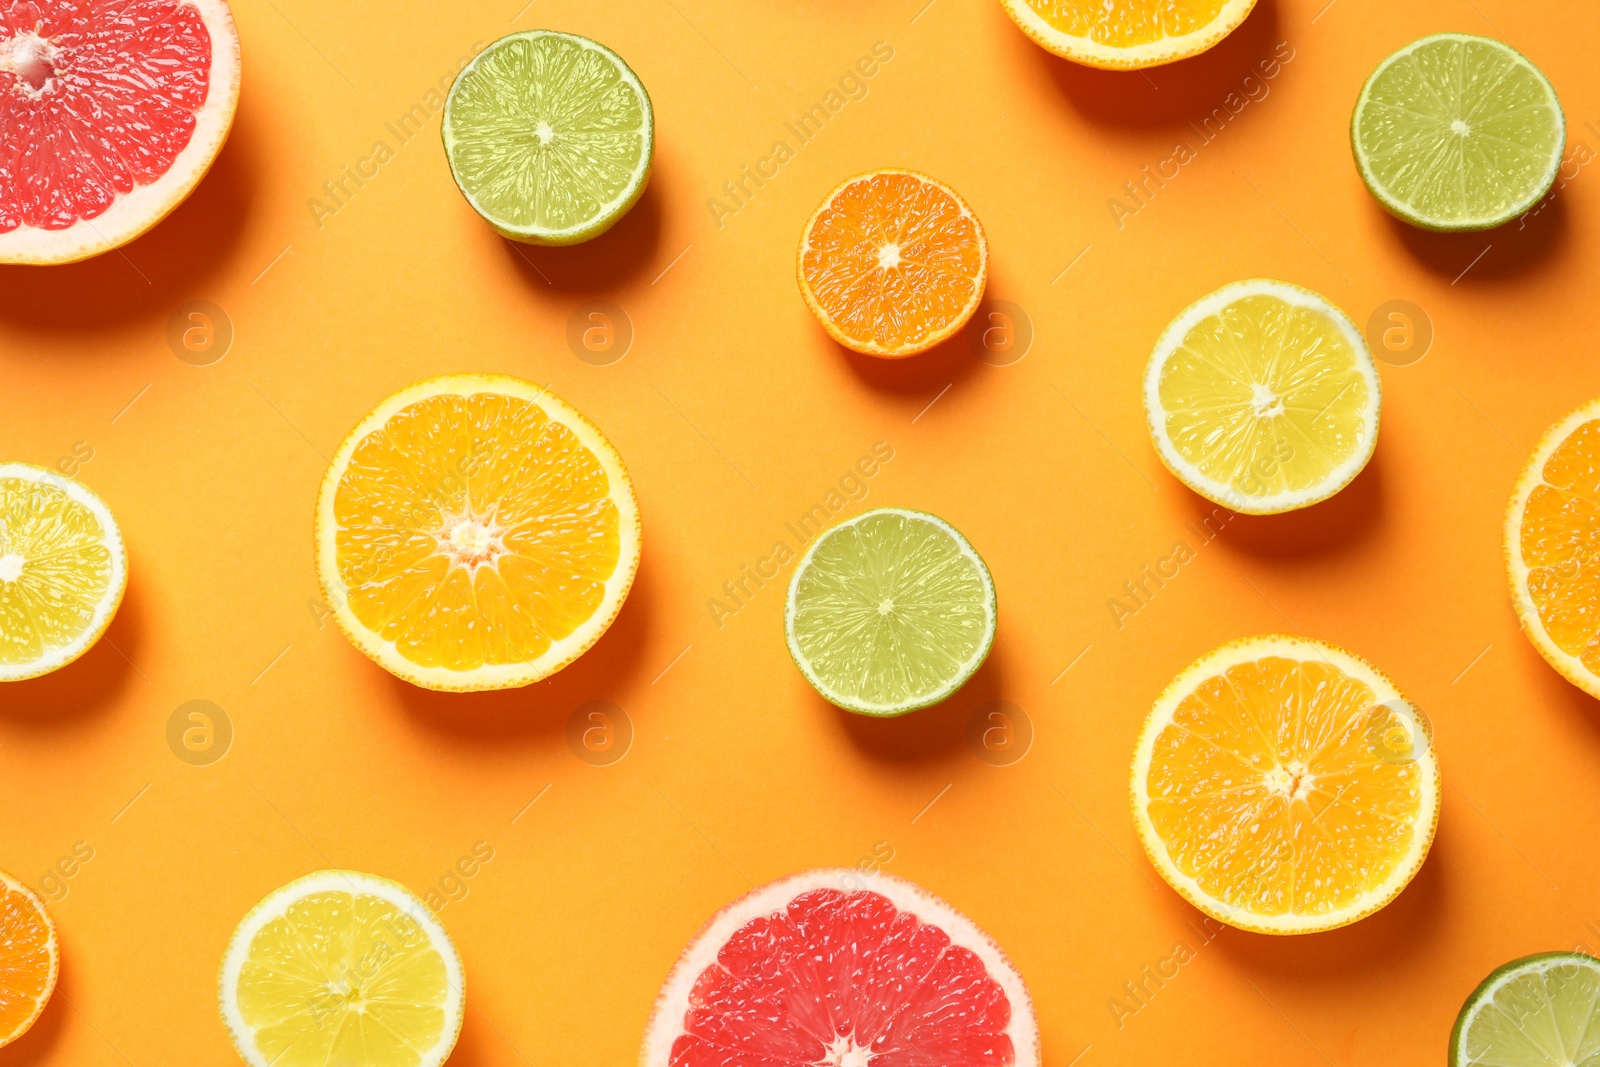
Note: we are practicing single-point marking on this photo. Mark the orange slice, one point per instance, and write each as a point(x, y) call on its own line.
point(1127, 34)
point(476, 532)
point(892, 263)
point(1284, 786)
point(1552, 547)
point(30, 958)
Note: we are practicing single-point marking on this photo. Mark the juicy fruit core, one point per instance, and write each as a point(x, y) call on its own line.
point(546, 134)
point(1124, 23)
point(838, 979)
point(893, 261)
point(474, 530)
point(343, 977)
point(95, 100)
point(55, 570)
point(1457, 131)
point(1277, 786)
point(1560, 545)
point(1265, 397)
point(1542, 1017)
point(890, 611)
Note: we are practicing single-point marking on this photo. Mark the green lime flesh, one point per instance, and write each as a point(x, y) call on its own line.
point(1456, 132)
point(1539, 1011)
point(550, 136)
point(890, 612)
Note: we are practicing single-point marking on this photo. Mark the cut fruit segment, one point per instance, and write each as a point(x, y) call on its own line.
point(1263, 397)
point(1284, 786)
point(1127, 34)
point(110, 114)
point(550, 137)
point(889, 612)
point(346, 968)
point(842, 968)
point(30, 958)
point(476, 532)
point(1456, 132)
point(1552, 547)
point(892, 263)
point(63, 570)
point(1539, 1011)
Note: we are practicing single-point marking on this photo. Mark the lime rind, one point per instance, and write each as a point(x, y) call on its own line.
point(1514, 205)
point(954, 680)
point(550, 137)
point(1487, 996)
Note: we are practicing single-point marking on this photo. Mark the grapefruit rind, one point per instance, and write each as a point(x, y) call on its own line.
point(1569, 666)
point(489, 676)
point(116, 587)
point(143, 207)
point(358, 883)
point(1134, 57)
point(1245, 650)
point(930, 340)
point(609, 215)
point(53, 942)
point(672, 1004)
point(1403, 211)
point(956, 681)
point(1218, 492)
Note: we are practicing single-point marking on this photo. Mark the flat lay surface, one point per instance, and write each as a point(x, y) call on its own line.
point(224, 738)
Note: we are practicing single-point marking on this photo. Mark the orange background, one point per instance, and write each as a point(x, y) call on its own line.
point(736, 414)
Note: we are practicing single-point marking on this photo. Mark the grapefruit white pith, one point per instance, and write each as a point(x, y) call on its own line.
point(110, 114)
point(842, 968)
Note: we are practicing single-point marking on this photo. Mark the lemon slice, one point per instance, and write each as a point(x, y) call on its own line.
point(550, 136)
point(342, 968)
point(63, 570)
point(1457, 132)
point(1263, 397)
point(1284, 786)
point(475, 532)
point(1127, 34)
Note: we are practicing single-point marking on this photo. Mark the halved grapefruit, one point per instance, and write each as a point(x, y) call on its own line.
point(111, 111)
point(842, 968)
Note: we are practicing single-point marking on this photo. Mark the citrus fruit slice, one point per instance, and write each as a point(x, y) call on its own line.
point(1538, 1011)
point(475, 532)
point(1127, 34)
point(842, 968)
point(1263, 397)
point(340, 967)
point(550, 137)
point(892, 263)
point(1456, 132)
point(1552, 547)
point(63, 570)
point(30, 958)
point(110, 114)
point(889, 612)
point(1284, 786)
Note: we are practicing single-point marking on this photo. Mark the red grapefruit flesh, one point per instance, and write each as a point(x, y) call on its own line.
point(839, 968)
point(111, 111)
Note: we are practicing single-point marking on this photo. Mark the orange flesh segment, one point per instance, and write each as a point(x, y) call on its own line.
point(893, 260)
point(536, 534)
point(1124, 23)
point(1268, 789)
point(1560, 541)
point(25, 962)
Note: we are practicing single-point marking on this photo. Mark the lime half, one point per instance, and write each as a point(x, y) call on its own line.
point(550, 137)
point(1539, 1011)
point(889, 612)
point(1456, 132)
